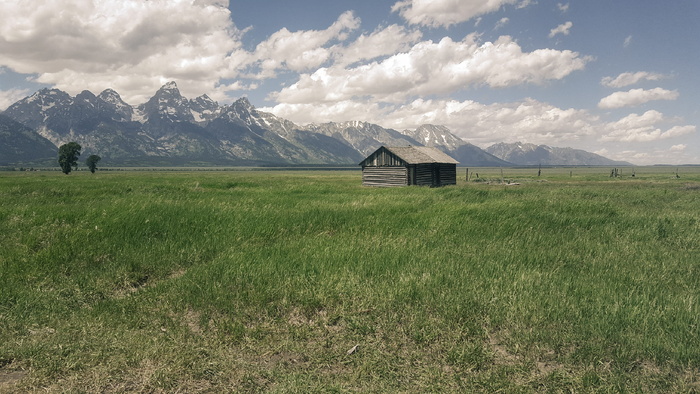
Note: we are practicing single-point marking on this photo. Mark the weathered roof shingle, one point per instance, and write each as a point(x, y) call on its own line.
point(421, 154)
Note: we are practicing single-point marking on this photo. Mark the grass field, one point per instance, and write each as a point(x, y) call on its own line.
point(305, 281)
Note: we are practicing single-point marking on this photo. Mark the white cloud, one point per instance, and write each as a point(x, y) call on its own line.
point(386, 41)
point(677, 131)
point(629, 78)
point(564, 29)
point(675, 155)
point(563, 7)
point(678, 148)
point(627, 42)
point(481, 124)
point(484, 124)
point(132, 46)
point(643, 128)
point(435, 68)
point(342, 110)
point(9, 97)
point(636, 97)
point(528, 120)
point(302, 50)
point(444, 13)
point(502, 22)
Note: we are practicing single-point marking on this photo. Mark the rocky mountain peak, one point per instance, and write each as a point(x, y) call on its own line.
point(356, 124)
point(205, 101)
point(530, 154)
point(32, 111)
point(170, 86)
point(110, 96)
point(363, 136)
point(243, 103)
point(167, 105)
point(435, 136)
point(240, 109)
point(123, 110)
point(170, 128)
point(86, 96)
point(204, 109)
point(46, 96)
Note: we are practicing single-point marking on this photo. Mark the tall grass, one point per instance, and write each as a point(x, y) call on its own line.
point(254, 281)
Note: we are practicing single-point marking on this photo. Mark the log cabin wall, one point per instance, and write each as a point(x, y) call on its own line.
point(448, 174)
point(433, 174)
point(424, 174)
point(384, 176)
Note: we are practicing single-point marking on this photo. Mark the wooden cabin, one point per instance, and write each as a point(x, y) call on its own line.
point(409, 165)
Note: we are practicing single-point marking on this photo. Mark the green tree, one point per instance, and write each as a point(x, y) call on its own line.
point(91, 162)
point(68, 156)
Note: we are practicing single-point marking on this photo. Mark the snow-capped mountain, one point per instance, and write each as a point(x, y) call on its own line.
point(124, 111)
point(170, 129)
point(531, 155)
point(46, 105)
point(465, 153)
point(362, 136)
point(204, 109)
point(435, 136)
point(166, 105)
point(100, 126)
point(253, 135)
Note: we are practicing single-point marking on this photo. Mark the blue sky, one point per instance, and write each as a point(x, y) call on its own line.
point(619, 78)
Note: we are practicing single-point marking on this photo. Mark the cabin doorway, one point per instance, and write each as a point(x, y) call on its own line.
point(436, 176)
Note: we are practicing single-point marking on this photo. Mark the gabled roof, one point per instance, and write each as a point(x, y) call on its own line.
point(418, 154)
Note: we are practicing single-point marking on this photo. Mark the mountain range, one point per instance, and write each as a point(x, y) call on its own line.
point(170, 129)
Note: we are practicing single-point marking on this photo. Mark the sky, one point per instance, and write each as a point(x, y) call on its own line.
point(618, 78)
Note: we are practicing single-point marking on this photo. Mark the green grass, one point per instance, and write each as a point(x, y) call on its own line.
point(263, 280)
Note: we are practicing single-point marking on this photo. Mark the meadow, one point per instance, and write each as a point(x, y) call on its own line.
point(306, 281)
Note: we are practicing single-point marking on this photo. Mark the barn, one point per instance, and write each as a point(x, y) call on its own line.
point(409, 165)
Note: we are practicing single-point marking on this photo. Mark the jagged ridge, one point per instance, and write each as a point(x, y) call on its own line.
point(170, 129)
point(531, 155)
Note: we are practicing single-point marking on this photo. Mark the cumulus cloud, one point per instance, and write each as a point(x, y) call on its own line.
point(527, 120)
point(305, 113)
point(481, 124)
point(629, 78)
point(563, 7)
point(636, 97)
point(435, 68)
point(678, 148)
point(564, 29)
point(381, 42)
point(127, 45)
point(484, 124)
point(676, 155)
point(9, 97)
point(131, 47)
point(643, 128)
point(502, 22)
point(302, 50)
point(444, 13)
